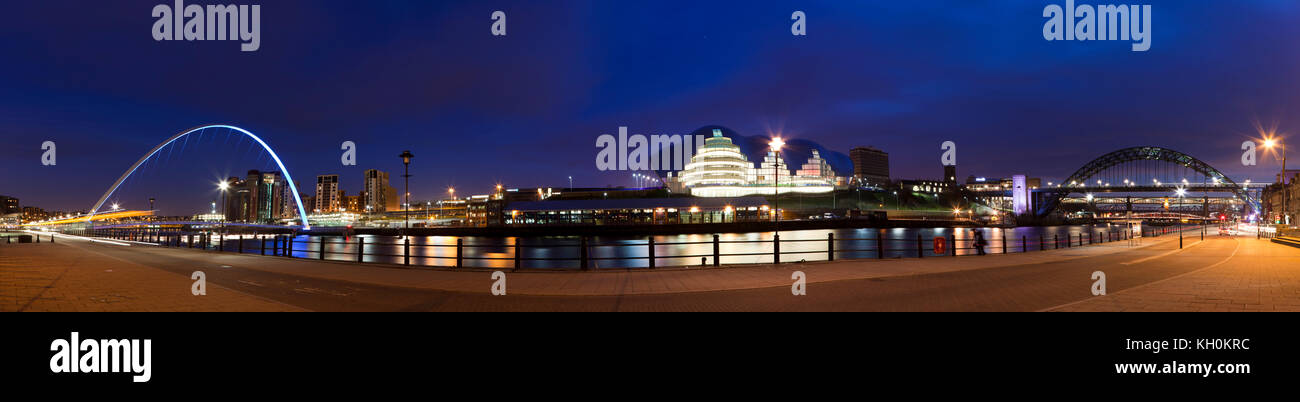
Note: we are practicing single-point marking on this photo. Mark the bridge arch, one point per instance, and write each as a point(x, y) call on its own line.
point(302, 212)
point(1052, 197)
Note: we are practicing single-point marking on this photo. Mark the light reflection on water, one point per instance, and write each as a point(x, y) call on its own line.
point(632, 252)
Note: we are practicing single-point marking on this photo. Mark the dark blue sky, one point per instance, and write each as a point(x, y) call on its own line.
point(526, 109)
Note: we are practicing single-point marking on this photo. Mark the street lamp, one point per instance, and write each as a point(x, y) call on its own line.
point(1270, 143)
point(570, 184)
point(1180, 192)
point(776, 145)
point(223, 186)
point(406, 174)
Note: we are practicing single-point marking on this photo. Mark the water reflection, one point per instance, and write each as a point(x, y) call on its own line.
point(673, 250)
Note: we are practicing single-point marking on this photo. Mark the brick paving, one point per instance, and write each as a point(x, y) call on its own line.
point(65, 277)
point(1260, 276)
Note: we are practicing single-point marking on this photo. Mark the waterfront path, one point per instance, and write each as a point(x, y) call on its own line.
point(1230, 273)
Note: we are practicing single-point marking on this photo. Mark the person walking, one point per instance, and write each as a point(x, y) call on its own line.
point(979, 242)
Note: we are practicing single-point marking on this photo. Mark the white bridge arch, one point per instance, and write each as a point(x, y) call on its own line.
point(302, 212)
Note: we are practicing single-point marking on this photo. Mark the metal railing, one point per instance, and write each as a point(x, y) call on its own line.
point(585, 254)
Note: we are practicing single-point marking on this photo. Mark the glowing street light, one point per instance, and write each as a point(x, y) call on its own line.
point(1286, 191)
point(406, 174)
point(223, 186)
point(776, 145)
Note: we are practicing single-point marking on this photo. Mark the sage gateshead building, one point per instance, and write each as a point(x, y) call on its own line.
point(719, 169)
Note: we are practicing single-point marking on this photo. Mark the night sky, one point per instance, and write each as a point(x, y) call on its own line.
point(525, 109)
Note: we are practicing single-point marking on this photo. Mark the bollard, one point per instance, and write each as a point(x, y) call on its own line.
point(1004, 242)
point(322, 247)
point(830, 247)
point(241, 244)
point(776, 248)
point(1041, 246)
point(952, 244)
point(361, 248)
point(716, 251)
point(1024, 246)
point(406, 251)
point(460, 245)
point(517, 255)
point(262, 246)
point(651, 253)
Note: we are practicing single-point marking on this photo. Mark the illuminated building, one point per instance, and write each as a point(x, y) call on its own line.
point(870, 165)
point(719, 169)
point(327, 193)
point(377, 195)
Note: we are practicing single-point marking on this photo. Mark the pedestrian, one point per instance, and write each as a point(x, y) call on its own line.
point(979, 242)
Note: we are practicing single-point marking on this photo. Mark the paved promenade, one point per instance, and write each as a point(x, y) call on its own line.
point(66, 277)
point(1221, 273)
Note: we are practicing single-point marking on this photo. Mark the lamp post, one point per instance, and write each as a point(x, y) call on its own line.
point(1270, 143)
point(151, 207)
point(406, 175)
point(451, 192)
point(223, 186)
point(776, 145)
point(570, 184)
point(1180, 192)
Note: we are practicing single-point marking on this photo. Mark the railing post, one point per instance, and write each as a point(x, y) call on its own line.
point(717, 255)
point(776, 249)
point(920, 253)
point(880, 244)
point(406, 251)
point(322, 247)
point(518, 257)
point(651, 252)
point(460, 246)
point(582, 254)
point(830, 247)
point(361, 249)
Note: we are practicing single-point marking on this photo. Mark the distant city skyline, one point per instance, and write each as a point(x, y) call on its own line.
point(525, 110)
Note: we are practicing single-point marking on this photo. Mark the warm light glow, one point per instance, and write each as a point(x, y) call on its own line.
point(695, 209)
point(223, 185)
point(1269, 143)
point(776, 144)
